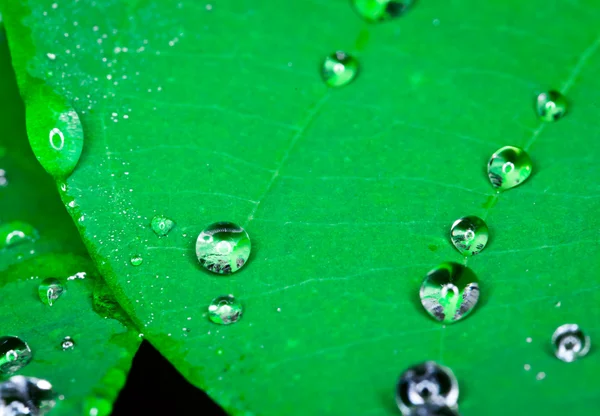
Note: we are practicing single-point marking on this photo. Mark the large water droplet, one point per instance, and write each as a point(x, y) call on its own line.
point(225, 310)
point(449, 292)
point(508, 167)
point(339, 69)
point(21, 396)
point(223, 247)
point(431, 410)
point(426, 384)
point(551, 105)
point(136, 260)
point(161, 225)
point(54, 132)
point(469, 235)
point(67, 343)
point(16, 232)
point(379, 10)
point(14, 355)
point(50, 290)
point(570, 343)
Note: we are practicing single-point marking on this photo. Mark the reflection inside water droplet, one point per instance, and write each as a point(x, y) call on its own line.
point(508, 167)
point(50, 290)
point(223, 247)
point(225, 310)
point(16, 232)
point(161, 225)
point(551, 105)
point(469, 235)
point(570, 343)
point(14, 354)
point(339, 69)
point(136, 260)
point(67, 344)
point(20, 396)
point(379, 10)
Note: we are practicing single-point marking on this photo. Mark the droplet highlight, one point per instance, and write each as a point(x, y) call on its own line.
point(21, 395)
point(469, 235)
point(225, 310)
point(16, 232)
point(432, 410)
point(551, 105)
point(67, 344)
point(136, 260)
point(381, 10)
point(161, 225)
point(339, 69)
point(223, 247)
point(449, 292)
point(50, 290)
point(508, 167)
point(426, 384)
point(14, 354)
point(570, 343)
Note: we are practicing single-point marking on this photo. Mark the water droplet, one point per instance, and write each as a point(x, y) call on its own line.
point(469, 235)
point(50, 290)
point(551, 105)
point(3, 180)
point(136, 260)
point(14, 355)
point(570, 343)
point(21, 395)
point(161, 225)
point(67, 343)
point(223, 247)
point(16, 232)
point(225, 310)
point(339, 69)
point(508, 167)
point(449, 292)
point(426, 384)
point(431, 410)
point(97, 406)
point(54, 132)
point(379, 10)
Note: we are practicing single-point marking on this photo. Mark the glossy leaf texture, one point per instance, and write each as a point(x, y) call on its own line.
point(217, 112)
point(91, 375)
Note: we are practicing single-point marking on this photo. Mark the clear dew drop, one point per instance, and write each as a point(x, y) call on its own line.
point(570, 343)
point(551, 105)
point(449, 292)
point(225, 310)
point(54, 132)
point(508, 167)
point(16, 232)
point(67, 344)
point(380, 10)
point(469, 235)
point(161, 225)
point(50, 290)
point(14, 355)
point(428, 384)
point(21, 395)
point(136, 260)
point(339, 69)
point(223, 247)
point(431, 410)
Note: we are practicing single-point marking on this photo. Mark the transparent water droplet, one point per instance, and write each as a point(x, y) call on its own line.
point(380, 10)
point(427, 383)
point(67, 344)
point(431, 410)
point(508, 167)
point(339, 69)
point(21, 395)
point(225, 310)
point(14, 354)
point(223, 247)
point(54, 132)
point(161, 225)
point(3, 180)
point(469, 235)
point(449, 292)
point(136, 260)
point(16, 232)
point(50, 290)
point(570, 343)
point(551, 105)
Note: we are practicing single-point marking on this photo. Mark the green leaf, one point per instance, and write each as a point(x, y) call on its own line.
point(217, 112)
point(90, 375)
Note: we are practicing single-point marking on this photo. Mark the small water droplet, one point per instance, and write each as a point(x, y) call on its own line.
point(431, 410)
point(3, 180)
point(21, 395)
point(426, 384)
point(449, 292)
point(570, 343)
point(14, 354)
point(508, 167)
point(379, 10)
point(16, 232)
point(551, 105)
point(469, 235)
point(50, 290)
point(161, 225)
point(225, 310)
point(67, 344)
point(97, 406)
point(136, 260)
point(339, 69)
point(540, 376)
point(54, 132)
point(223, 247)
